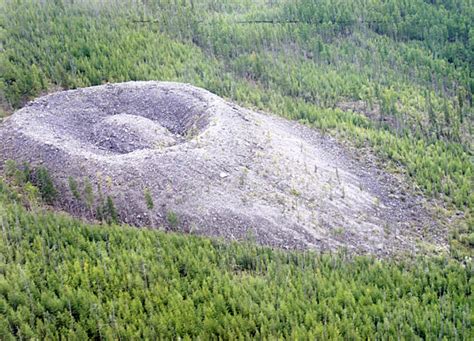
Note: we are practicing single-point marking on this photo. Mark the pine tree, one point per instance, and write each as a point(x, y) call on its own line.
point(43, 181)
point(89, 195)
point(74, 188)
point(149, 204)
point(110, 211)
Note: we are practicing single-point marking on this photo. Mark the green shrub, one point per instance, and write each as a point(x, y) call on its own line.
point(73, 186)
point(172, 219)
point(42, 179)
point(148, 199)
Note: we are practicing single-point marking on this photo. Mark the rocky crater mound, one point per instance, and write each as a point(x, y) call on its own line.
point(214, 168)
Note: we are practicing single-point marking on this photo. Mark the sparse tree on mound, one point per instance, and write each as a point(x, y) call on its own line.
point(42, 179)
point(172, 219)
point(74, 188)
point(89, 196)
point(149, 204)
point(111, 211)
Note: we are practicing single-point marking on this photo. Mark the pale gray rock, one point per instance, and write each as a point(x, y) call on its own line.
point(222, 169)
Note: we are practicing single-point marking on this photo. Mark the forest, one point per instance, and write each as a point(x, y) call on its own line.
point(61, 278)
point(393, 78)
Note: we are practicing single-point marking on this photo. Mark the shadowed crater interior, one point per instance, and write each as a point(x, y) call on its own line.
point(122, 120)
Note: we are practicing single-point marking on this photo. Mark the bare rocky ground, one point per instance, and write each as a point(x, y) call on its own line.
point(221, 169)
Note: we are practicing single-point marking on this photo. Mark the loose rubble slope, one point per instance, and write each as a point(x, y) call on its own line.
point(221, 169)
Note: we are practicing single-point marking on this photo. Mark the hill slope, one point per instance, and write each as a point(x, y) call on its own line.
point(220, 169)
point(392, 77)
point(60, 278)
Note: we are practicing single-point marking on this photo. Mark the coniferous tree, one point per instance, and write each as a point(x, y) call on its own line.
point(42, 179)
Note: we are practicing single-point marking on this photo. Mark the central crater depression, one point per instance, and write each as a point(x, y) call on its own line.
point(121, 120)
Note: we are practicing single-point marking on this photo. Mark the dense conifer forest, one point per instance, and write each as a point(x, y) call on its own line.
point(390, 78)
point(62, 278)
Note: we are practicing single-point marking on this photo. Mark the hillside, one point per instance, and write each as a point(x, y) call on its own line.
point(388, 84)
point(62, 278)
point(373, 74)
point(220, 169)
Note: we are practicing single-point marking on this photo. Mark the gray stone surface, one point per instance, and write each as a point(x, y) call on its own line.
point(224, 170)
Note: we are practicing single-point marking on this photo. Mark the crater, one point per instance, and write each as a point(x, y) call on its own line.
point(216, 168)
point(125, 119)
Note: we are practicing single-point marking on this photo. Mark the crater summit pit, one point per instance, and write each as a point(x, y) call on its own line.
point(219, 169)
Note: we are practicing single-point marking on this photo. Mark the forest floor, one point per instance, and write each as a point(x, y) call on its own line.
point(217, 169)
